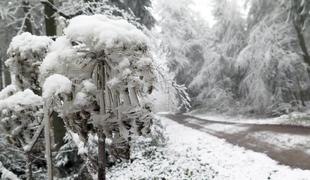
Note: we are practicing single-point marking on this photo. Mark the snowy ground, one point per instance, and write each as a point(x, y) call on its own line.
point(192, 154)
point(294, 118)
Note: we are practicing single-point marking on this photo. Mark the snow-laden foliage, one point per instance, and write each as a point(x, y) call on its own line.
point(111, 71)
point(181, 34)
point(20, 107)
point(215, 84)
point(20, 116)
point(26, 52)
point(102, 33)
point(274, 78)
point(134, 11)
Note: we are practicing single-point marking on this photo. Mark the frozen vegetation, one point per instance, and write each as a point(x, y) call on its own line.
point(84, 85)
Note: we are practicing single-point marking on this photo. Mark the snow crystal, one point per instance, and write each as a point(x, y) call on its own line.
point(22, 98)
point(27, 44)
point(100, 32)
point(56, 84)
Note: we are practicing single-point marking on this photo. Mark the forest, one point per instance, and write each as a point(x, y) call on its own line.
point(155, 89)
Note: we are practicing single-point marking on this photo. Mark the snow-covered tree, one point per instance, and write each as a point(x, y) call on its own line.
point(216, 83)
point(97, 77)
point(274, 77)
point(299, 15)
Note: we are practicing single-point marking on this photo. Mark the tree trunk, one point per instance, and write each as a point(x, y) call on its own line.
point(48, 152)
point(50, 24)
point(101, 83)
point(101, 156)
point(302, 44)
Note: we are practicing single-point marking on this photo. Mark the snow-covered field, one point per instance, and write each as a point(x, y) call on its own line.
point(191, 154)
point(294, 118)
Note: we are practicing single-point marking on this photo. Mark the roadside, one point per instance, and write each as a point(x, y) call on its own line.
point(193, 154)
point(287, 144)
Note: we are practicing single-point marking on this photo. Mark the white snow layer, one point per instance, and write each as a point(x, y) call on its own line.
point(191, 154)
point(101, 32)
point(294, 118)
point(60, 53)
point(27, 44)
point(56, 84)
point(22, 98)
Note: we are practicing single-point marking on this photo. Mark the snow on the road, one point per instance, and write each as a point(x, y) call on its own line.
point(284, 141)
point(227, 128)
point(294, 118)
point(191, 154)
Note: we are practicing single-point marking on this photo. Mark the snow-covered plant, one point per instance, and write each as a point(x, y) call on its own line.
point(108, 67)
point(20, 108)
point(26, 52)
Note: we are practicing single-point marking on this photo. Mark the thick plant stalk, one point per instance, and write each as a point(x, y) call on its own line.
point(134, 97)
point(101, 156)
point(29, 166)
point(101, 75)
point(48, 152)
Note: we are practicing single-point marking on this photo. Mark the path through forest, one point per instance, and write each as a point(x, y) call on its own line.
point(287, 144)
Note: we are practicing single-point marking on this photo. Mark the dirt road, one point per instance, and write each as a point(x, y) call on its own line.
point(287, 144)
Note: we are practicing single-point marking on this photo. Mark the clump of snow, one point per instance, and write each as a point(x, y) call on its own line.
point(100, 32)
point(85, 94)
point(60, 52)
point(20, 99)
point(8, 91)
point(55, 85)
point(82, 149)
point(27, 44)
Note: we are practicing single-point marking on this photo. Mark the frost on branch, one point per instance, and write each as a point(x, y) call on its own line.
point(111, 71)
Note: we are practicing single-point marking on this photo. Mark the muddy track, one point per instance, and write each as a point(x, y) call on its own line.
point(294, 156)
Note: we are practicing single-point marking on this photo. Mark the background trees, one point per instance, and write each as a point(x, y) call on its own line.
point(252, 61)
